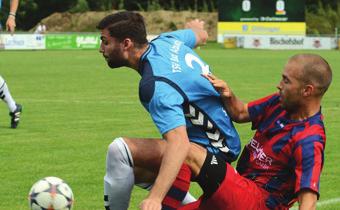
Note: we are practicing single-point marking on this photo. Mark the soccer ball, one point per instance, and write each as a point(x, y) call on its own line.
point(50, 193)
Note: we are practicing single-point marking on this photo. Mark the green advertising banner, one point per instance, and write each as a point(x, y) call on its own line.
point(72, 41)
point(60, 41)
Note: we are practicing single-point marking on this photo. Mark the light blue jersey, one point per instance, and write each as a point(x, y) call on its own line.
point(175, 93)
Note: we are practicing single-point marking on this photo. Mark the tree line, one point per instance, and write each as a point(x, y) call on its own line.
point(322, 16)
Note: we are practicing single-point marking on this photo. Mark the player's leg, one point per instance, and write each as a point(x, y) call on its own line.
point(192, 167)
point(208, 170)
point(14, 109)
point(211, 174)
point(194, 161)
point(147, 155)
point(123, 155)
point(223, 187)
point(6, 96)
point(147, 175)
point(178, 193)
point(178, 190)
point(188, 198)
point(131, 160)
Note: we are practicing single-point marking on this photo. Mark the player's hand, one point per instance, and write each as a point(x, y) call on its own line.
point(10, 24)
point(196, 23)
point(219, 85)
point(150, 204)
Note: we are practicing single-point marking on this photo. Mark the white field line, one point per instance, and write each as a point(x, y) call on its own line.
point(323, 203)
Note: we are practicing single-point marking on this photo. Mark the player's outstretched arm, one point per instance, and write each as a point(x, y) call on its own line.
point(176, 151)
point(237, 110)
point(307, 200)
point(198, 27)
point(10, 23)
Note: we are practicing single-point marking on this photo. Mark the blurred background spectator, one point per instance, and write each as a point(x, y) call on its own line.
point(41, 29)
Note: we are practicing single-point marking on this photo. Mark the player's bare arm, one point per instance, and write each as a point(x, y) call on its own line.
point(10, 23)
point(235, 107)
point(307, 200)
point(177, 146)
point(198, 27)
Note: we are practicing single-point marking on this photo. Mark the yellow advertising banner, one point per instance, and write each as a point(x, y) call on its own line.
point(261, 28)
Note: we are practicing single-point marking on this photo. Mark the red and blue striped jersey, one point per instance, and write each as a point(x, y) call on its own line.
point(284, 156)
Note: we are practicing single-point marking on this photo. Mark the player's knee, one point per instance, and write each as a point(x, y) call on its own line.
point(113, 149)
point(119, 177)
point(119, 153)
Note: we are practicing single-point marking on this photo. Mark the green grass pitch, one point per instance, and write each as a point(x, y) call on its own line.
point(73, 106)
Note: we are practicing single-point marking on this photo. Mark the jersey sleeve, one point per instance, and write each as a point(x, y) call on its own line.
point(259, 108)
point(165, 108)
point(187, 36)
point(309, 155)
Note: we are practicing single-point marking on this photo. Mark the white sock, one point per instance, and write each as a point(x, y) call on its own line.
point(188, 199)
point(6, 96)
point(119, 178)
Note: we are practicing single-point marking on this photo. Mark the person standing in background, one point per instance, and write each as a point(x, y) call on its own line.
point(14, 108)
point(10, 23)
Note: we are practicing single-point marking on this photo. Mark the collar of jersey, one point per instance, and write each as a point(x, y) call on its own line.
point(140, 65)
point(318, 115)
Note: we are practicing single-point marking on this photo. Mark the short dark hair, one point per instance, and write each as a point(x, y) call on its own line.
point(125, 24)
point(315, 70)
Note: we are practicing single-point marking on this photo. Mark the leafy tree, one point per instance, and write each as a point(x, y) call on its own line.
point(30, 12)
point(322, 16)
point(81, 6)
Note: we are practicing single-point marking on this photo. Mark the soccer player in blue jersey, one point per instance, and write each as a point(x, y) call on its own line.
point(282, 163)
point(5, 95)
point(184, 106)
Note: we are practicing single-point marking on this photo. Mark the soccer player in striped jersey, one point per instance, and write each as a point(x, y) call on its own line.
point(184, 106)
point(282, 163)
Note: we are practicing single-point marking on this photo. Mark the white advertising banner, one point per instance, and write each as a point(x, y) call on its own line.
point(288, 42)
point(22, 41)
point(323, 43)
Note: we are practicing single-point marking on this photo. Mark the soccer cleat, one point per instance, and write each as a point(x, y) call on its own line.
point(15, 116)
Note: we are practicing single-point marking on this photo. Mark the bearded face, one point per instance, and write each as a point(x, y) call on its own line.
point(115, 58)
point(112, 50)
